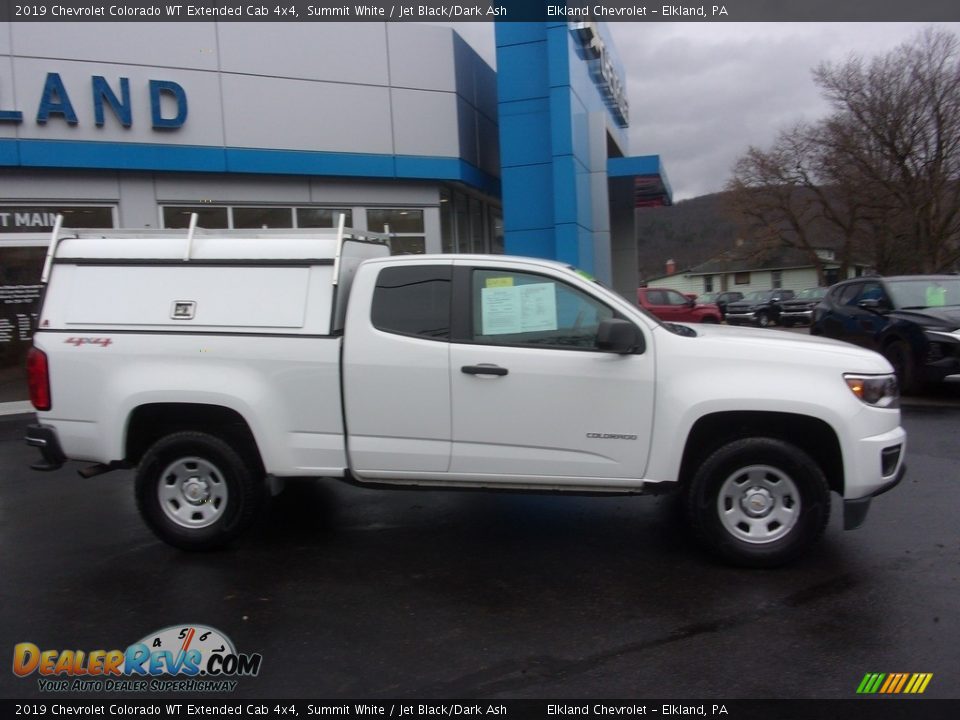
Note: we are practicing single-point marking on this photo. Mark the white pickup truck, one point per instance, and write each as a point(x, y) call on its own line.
point(218, 363)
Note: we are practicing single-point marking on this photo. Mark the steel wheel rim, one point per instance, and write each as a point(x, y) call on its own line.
point(758, 504)
point(192, 492)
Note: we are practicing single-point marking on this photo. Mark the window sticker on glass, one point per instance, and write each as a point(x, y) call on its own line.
point(538, 307)
point(936, 295)
point(516, 309)
point(501, 310)
point(499, 282)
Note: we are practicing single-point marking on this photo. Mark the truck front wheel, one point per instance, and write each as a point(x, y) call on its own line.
point(758, 502)
point(195, 491)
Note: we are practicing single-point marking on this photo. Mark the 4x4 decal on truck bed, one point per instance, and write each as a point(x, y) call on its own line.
point(78, 341)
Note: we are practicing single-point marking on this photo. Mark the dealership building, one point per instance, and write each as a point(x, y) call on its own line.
point(396, 126)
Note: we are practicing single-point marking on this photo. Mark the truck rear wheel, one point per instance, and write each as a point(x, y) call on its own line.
point(196, 492)
point(758, 502)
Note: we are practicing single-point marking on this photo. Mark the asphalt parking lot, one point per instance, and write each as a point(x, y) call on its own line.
point(349, 592)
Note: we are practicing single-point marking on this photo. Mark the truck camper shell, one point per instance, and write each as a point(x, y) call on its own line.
point(255, 279)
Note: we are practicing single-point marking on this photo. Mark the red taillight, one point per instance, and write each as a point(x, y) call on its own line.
point(38, 379)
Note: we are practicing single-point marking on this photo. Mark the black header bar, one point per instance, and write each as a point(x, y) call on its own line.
point(480, 11)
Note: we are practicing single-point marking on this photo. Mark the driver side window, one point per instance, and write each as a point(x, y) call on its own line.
point(871, 291)
point(511, 308)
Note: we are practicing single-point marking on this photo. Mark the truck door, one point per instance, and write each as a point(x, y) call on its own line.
point(396, 370)
point(534, 401)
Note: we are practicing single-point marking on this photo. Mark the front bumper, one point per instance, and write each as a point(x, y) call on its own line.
point(804, 316)
point(741, 317)
point(44, 438)
point(855, 511)
point(879, 467)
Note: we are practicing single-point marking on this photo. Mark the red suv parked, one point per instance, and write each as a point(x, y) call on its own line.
point(672, 306)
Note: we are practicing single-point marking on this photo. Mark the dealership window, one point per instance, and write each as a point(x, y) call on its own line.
point(20, 288)
point(404, 225)
point(220, 217)
point(477, 239)
point(741, 278)
point(469, 224)
point(776, 279)
point(708, 283)
point(496, 231)
point(448, 239)
point(323, 217)
point(215, 218)
point(262, 217)
point(461, 223)
point(24, 235)
point(41, 218)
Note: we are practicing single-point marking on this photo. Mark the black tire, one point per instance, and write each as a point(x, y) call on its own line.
point(763, 320)
point(790, 496)
point(196, 492)
point(899, 355)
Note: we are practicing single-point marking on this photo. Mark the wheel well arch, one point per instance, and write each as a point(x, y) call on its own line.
point(810, 434)
point(148, 423)
point(913, 338)
point(891, 338)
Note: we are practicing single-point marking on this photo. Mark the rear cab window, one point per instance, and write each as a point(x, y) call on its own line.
point(413, 301)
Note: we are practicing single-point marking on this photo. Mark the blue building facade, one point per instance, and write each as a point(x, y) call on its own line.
point(127, 125)
point(569, 186)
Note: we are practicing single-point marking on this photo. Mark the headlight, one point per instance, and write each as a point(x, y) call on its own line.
point(880, 391)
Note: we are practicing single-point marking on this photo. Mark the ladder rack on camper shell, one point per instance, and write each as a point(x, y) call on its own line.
point(343, 234)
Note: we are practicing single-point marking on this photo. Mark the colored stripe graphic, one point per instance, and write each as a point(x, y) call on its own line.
point(894, 683)
point(870, 683)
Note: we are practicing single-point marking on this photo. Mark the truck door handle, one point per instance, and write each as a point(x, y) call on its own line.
point(484, 370)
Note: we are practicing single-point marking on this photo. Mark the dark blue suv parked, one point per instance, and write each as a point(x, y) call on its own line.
point(913, 320)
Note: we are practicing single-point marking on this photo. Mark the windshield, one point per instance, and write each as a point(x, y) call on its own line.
point(758, 295)
point(708, 297)
point(812, 294)
point(924, 292)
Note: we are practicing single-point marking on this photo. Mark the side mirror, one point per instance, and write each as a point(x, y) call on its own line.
point(618, 336)
point(872, 305)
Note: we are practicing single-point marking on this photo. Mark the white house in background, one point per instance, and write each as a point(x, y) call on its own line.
point(734, 270)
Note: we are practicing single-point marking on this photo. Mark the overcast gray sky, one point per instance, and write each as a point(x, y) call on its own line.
point(702, 93)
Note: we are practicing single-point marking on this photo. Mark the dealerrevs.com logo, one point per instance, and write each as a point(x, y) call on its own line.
point(179, 658)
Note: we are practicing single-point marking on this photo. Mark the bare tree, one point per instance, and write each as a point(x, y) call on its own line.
point(879, 177)
point(766, 194)
point(796, 195)
point(896, 128)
